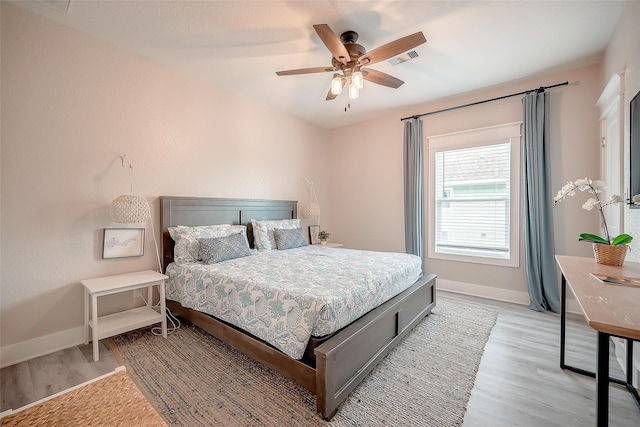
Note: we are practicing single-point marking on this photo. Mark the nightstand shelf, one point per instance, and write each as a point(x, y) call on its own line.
point(124, 321)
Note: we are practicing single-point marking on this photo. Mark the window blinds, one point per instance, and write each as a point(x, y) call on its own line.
point(472, 200)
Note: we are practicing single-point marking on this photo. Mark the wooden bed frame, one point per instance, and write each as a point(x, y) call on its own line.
point(342, 361)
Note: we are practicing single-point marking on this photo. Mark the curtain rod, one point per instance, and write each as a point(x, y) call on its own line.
point(539, 90)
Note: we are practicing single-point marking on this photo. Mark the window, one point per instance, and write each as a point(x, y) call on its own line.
point(474, 195)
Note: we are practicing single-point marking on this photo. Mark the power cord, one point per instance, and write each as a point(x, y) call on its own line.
point(175, 324)
point(171, 318)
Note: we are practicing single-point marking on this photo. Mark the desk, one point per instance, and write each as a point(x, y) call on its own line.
point(611, 310)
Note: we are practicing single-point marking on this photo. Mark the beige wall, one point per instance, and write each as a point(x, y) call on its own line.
point(623, 54)
point(71, 105)
point(366, 173)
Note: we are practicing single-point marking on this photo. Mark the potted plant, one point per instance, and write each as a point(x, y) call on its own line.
point(607, 250)
point(323, 235)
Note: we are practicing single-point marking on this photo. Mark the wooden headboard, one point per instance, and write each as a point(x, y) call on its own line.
point(192, 211)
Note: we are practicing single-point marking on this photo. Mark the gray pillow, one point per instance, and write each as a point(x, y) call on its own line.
point(217, 249)
point(289, 239)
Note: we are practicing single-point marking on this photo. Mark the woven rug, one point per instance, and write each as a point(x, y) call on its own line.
point(111, 400)
point(193, 379)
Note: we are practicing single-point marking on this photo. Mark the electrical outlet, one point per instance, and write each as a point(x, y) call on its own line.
point(137, 293)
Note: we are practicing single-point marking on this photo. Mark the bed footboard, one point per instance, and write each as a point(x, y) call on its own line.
point(347, 358)
point(343, 361)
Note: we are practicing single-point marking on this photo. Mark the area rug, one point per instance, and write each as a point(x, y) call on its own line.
point(193, 379)
point(110, 400)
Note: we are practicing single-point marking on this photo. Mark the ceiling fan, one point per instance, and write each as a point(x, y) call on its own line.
point(350, 58)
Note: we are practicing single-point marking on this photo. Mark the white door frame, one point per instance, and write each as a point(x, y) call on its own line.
point(611, 106)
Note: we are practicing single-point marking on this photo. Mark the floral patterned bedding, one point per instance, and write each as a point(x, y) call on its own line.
point(284, 297)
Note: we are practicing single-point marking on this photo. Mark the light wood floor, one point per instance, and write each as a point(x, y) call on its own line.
point(519, 382)
point(30, 381)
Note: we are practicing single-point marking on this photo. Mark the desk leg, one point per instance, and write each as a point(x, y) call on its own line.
point(629, 361)
point(602, 380)
point(563, 321)
point(94, 330)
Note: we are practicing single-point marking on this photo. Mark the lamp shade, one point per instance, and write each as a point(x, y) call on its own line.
point(336, 84)
point(312, 210)
point(354, 92)
point(358, 79)
point(129, 209)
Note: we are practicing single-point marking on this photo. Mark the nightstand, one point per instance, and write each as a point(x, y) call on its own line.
point(332, 245)
point(117, 323)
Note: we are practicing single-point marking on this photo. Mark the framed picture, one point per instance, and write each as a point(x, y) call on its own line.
point(123, 242)
point(313, 234)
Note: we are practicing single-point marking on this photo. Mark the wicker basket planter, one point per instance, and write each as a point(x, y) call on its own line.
point(610, 255)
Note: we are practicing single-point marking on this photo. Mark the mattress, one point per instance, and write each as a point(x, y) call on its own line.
point(285, 297)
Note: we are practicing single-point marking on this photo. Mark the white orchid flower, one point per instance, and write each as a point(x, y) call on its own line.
point(567, 189)
point(596, 187)
point(590, 204)
point(580, 182)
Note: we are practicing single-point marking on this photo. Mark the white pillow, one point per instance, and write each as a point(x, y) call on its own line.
point(187, 247)
point(263, 237)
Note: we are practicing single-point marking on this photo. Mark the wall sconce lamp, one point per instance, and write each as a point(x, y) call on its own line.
point(128, 209)
point(312, 210)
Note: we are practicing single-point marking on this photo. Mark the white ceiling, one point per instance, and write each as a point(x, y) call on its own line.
point(239, 45)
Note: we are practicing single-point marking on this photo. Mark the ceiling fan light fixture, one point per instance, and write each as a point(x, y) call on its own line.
point(354, 92)
point(349, 58)
point(358, 79)
point(336, 84)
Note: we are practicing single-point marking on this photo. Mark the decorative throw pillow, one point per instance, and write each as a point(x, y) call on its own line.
point(187, 248)
point(217, 249)
point(289, 239)
point(263, 231)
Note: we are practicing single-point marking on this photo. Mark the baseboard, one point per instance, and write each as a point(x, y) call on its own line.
point(29, 349)
point(26, 350)
point(498, 294)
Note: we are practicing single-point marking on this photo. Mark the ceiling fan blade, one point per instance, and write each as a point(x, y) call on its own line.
point(381, 78)
point(332, 42)
point(392, 49)
point(305, 71)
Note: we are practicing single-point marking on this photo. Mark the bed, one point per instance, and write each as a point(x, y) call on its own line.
point(333, 365)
